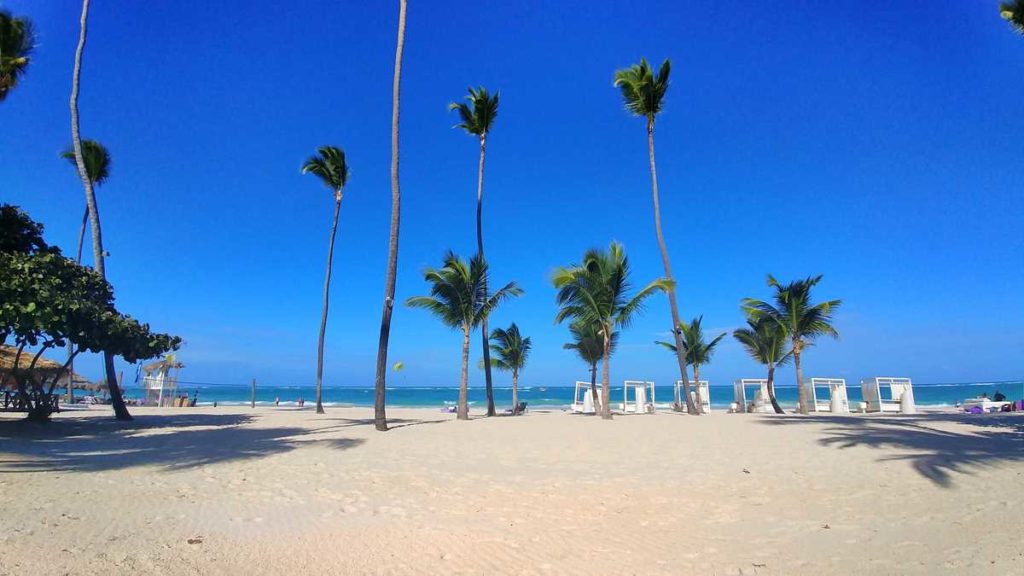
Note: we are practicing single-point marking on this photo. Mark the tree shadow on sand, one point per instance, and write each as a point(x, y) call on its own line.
point(93, 444)
point(936, 453)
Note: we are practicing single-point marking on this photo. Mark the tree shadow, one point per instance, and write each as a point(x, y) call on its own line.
point(393, 423)
point(934, 452)
point(91, 444)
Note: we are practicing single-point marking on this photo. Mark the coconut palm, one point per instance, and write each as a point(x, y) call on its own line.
point(511, 351)
point(476, 118)
point(596, 292)
point(330, 167)
point(698, 352)
point(765, 341)
point(458, 298)
point(17, 40)
point(589, 346)
point(801, 320)
point(97, 168)
point(379, 414)
point(643, 93)
point(1013, 12)
point(116, 400)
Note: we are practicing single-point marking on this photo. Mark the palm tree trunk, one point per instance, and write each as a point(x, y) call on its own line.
point(593, 386)
point(771, 390)
point(515, 391)
point(116, 400)
point(801, 394)
point(671, 292)
point(606, 410)
point(81, 235)
point(323, 315)
point(699, 402)
point(379, 414)
point(485, 336)
point(463, 408)
point(71, 347)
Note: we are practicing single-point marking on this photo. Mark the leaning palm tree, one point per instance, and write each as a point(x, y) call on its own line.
point(1013, 12)
point(765, 341)
point(330, 167)
point(801, 320)
point(458, 298)
point(17, 40)
point(596, 291)
point(476, 118)
point(511, 351)
point(116, 399)
point(698, 352)
point(643, 93)
point(588, 343)
point(97, 168)
point(380, 418)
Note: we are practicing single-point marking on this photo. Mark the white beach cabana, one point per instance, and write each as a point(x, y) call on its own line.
point(837, 402)
point(705, 394)
point(582, 399)
point(899, 399)
point(760, 402)
point(160, 381)
point(641, 392)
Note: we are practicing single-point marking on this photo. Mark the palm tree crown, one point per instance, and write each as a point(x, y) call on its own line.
point(587, 341)
point(17, 40)
point(457, 292)
point(478, 115)
point(329, 165)
point(596, 291)
point(97, 161)
point(765, 341)
point(793, 311)
point(698, 352)
point(510, 349)
point(1013, 12)
point(642, 91)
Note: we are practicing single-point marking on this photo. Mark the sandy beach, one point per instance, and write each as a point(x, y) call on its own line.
point(231, 490)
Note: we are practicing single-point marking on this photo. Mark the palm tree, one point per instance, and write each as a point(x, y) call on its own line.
point(116, 400)
point(17, 40)
point(380, 418)
point(698, 352)
point(97, 168)
point(589, 345)
point(511, 351)
point(643, 93)
point(596, 291)
point(801, 320)
point(765, 341)
point(1013, 12)
point(476, 118)
point(330, 167)
point(458, 298)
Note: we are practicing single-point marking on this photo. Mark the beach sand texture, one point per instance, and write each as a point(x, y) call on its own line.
point(231, 490)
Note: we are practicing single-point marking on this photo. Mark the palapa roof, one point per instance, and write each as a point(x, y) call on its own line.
point(44, 366)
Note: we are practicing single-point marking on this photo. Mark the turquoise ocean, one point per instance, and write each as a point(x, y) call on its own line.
point(544, 396)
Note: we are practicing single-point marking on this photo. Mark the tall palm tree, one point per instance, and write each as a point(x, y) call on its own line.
point(116, 400)
point(476, 118)
point(330, 167)
point(97, 167)
point(1013, 12)
point(588, 343)
point(511, 351)
point(596, 291)
point(380, 418)
point(643, 93)
point(17, 40)
point(458, 298)
point(801, 320)
point(698, 352)
point(765, 341)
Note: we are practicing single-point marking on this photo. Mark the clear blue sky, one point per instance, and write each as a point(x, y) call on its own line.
point(876, 143)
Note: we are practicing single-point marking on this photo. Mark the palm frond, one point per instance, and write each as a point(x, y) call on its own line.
point(1013, 12)
point(642, 92)
point(17, 42)
point(477, 117)
point(96, 158)
point(330, 166)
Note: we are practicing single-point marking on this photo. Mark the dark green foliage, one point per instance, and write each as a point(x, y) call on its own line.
point(510, 349)
point(698, 352)
point(642, 91)
point(97, 161)
point(1013, 12)
point(330, 166)
point(17, 40)
point(477, 117)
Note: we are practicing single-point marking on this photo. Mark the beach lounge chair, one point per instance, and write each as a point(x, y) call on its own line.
point(705, 394)
point(519, 409)
point(899, 399)
point(984, 404)
point(837, 397)
point(640, 404)
point(761, 403)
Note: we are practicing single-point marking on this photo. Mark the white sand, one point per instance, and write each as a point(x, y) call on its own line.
point(289, 492)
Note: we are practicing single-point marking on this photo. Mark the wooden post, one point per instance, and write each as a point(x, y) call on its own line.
point(252, 403)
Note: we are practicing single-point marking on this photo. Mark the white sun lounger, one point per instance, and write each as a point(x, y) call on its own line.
point(705, 394)
point(640, 404)
point(583, 400)
point(899, 399)
point(837, 395)
point(760, 403)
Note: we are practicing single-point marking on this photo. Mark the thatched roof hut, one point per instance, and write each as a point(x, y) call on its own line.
point(45, 368)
